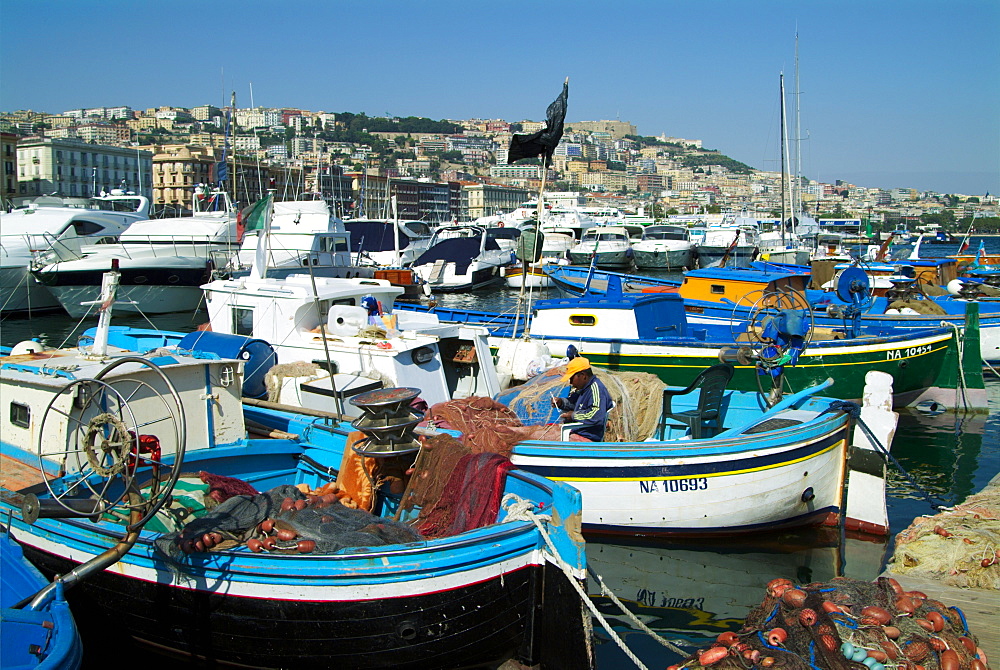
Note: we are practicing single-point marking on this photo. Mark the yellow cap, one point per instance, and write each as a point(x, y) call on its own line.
point(578, 364)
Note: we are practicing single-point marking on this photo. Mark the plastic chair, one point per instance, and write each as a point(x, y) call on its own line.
point(707, 416)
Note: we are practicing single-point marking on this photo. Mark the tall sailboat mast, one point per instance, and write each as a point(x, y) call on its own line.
point(797, 192)
point(785, 186)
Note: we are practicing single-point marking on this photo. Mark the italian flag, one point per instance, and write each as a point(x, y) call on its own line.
point(253, 217)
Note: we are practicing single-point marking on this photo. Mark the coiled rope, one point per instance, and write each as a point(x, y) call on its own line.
point(519, 509)
point(854, 411)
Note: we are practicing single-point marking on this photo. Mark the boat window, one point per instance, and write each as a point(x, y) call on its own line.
point(86, 227)
point(718, 289)
point(333, 244)
point(20, 414)
point(242, 321)
point(582, 320)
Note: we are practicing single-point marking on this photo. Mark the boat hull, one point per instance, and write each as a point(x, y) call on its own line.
point(613, 260)
point(663, 259)
point(21, 292)
point(460, 624)
point(711, 256)
point(747, 484)
point(535, 277)
point(142, 290)
point(913, 362)
point(446, 280)
point(31, 636)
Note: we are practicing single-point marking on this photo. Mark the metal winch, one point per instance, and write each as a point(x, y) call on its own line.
point(387, 420)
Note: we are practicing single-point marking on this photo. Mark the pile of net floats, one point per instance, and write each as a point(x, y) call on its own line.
point(846, 624)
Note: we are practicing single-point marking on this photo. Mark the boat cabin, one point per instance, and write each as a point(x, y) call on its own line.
point(732, 285)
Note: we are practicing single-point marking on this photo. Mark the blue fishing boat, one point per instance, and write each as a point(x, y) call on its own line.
point(721, 295)
point(33, 635)
point(275, 537)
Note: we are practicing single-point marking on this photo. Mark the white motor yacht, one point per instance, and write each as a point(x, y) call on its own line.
point(162, 262)
point(462, 258)
point(50, 229)
point(664, 247)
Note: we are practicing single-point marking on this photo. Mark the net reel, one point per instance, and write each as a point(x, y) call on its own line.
point(778, 329)
point(853, 287)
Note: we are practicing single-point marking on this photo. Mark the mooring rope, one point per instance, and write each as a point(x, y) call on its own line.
point(519, 509)
point(854, 411)
point(960, 390)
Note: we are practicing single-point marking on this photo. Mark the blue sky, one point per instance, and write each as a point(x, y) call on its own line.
point(892, 93)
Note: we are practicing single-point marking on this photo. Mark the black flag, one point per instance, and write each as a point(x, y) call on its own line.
point(544, 142)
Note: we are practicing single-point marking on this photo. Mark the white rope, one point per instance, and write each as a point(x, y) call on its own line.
point(519, 509)
point(634, 619)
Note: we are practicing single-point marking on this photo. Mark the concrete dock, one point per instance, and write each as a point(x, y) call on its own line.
point(943, 556)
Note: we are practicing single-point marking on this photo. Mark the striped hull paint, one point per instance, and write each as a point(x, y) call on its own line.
point(913, 362)
point(752, 483)
point(462, 603)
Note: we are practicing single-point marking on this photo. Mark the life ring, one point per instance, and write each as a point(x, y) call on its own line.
point(499, 224)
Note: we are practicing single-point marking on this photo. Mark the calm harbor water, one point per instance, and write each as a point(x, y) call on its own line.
point(686, 592)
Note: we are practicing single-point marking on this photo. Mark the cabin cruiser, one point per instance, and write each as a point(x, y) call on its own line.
point(387, 242)
point(461, 258)
point(162, 262)
point(606, 246)
point(51, 229)
point(664, 247)
point(733, 246)
point(303, 236)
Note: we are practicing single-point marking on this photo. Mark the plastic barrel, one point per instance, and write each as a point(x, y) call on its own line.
point(258, 356)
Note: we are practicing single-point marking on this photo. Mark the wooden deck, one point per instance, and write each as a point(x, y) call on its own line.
point(980, 606)
point(15, 475)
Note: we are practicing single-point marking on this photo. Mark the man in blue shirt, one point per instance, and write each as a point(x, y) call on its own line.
point(588, 403)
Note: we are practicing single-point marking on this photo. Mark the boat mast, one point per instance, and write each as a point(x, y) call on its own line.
point(784, 153)
point(797, 192)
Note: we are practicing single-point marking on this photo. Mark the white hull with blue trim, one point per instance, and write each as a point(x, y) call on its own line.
point(740, 481)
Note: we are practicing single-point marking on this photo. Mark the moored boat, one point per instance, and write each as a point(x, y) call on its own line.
point(651, 332)
point(33, 635)
point(664, 247)
point(52, 229)
point(604, 247)
point(162, 262)
point(254, 560)
point(462, 258)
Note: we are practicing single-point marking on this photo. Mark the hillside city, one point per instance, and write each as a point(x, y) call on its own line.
point(449, 170)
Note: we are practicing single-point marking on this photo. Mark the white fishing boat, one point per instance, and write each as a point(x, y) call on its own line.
point(51, 229)
point(302, 236)
point(347, 327)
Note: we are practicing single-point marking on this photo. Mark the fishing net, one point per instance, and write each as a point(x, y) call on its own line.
point(637, 396)
point(959, 546)
point(844, 624)
point(919, 306)
point(483, 423)
point(284, 520)
point(471, 497)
